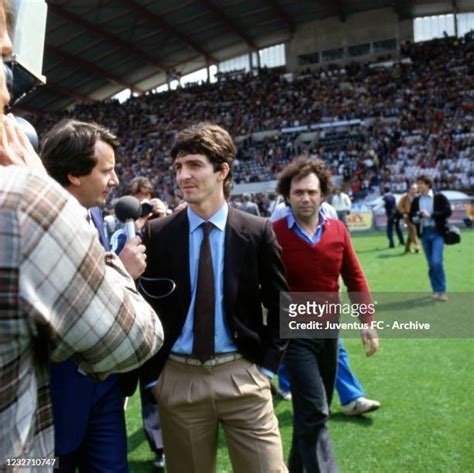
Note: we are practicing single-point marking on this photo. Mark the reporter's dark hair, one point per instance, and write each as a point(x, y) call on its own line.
point(211, 141)
point(302, 167)
point(69, 148)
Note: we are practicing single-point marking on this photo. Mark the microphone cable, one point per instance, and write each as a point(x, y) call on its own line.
point(152, 296)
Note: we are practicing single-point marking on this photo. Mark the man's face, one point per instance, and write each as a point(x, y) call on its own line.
point(92, 190)
point(423, 187)
point(197, 179)
point(305, 197)
point(414, 190)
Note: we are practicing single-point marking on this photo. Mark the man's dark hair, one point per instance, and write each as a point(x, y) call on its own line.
point(426, 179)
point(386, 189)
point(69, 148)
point(211, 141)
point(302, 167)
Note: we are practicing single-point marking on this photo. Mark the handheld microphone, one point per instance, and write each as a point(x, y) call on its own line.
point(127, 210)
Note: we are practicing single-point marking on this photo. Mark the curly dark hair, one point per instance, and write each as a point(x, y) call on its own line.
point(302, 167)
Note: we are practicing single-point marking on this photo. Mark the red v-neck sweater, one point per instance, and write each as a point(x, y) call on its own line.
point(316, 268)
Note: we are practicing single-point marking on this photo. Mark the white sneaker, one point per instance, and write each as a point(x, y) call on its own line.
point(361, 405)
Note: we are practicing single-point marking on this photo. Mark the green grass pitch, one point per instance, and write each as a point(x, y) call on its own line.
point(426, 422)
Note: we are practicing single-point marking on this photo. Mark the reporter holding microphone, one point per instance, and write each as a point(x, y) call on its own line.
point(89, 417)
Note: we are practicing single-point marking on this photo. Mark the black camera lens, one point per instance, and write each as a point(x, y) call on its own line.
point(146, 208)
point(17, 88)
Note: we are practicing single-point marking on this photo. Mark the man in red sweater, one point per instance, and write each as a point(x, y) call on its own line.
point(315, 251)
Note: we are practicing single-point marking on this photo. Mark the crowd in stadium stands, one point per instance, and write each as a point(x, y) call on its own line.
point(415, 113)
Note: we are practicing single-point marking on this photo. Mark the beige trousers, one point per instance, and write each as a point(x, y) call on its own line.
point(192, 400)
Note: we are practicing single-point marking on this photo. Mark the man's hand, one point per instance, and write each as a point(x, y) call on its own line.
point(133, 257)
point(159, 208)
point(15, 148)
point(369, 336)
point(180, 207)
point(140, 223)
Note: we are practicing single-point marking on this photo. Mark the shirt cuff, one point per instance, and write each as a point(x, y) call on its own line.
point(266, 372)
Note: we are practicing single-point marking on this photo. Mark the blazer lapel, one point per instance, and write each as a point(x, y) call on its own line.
point(96, 215)
point(179, 240)
point(236, 242)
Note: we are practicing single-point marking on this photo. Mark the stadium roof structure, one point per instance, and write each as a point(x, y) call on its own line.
point(96, 48)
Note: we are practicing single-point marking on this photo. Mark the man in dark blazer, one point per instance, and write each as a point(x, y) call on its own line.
point(430, 212)
point(220, 351)
point(89, 416)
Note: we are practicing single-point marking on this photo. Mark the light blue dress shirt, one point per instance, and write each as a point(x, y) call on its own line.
point(223, 341)
point(426, 203)
point(314, 239)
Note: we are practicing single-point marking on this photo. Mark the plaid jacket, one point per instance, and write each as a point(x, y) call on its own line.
point(61, 296)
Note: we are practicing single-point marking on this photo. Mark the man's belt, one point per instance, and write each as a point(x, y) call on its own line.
point(217, 359)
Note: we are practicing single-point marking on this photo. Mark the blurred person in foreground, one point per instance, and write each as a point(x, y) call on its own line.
point(316, 250)
point(56, 278)
point(220, 355)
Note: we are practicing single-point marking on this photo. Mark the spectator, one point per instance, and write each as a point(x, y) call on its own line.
point(342, 203)
point(393, 218)
point(404, 125)
point(248, 206)
point(429, 212)
point(403, 208)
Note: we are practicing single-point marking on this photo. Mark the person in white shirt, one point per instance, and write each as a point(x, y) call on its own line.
point(342, 203)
